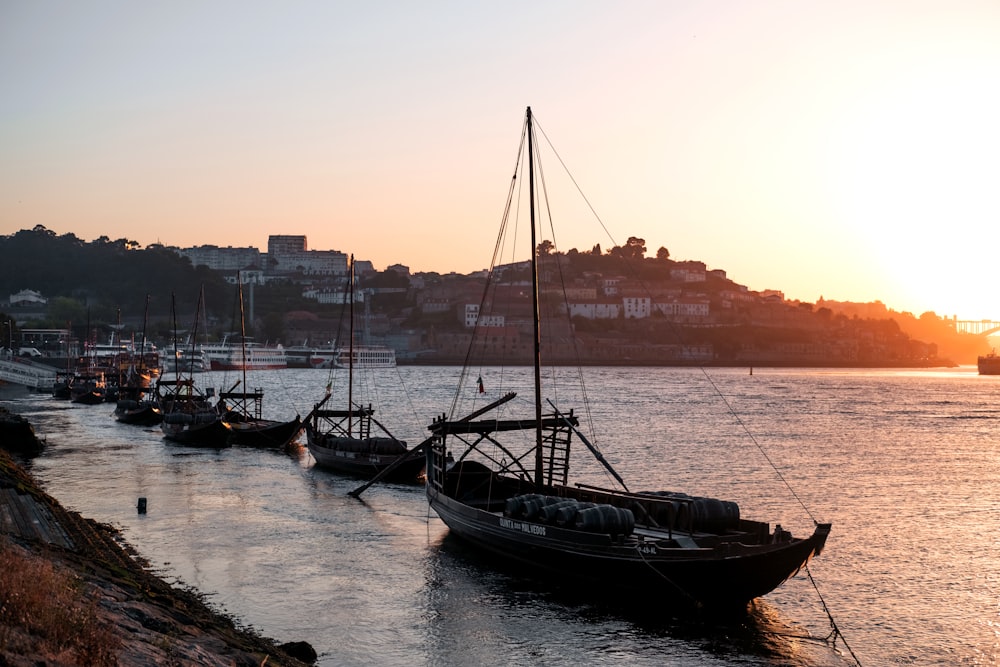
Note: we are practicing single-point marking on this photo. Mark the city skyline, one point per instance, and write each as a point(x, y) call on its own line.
point(842, 151)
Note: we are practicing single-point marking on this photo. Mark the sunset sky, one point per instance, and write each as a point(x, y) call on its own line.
point(849, 149)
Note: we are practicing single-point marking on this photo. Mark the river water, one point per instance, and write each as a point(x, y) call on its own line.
point(905, 464)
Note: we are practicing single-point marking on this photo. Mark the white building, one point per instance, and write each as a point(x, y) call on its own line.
point(28, 297)
point(684, 308)
point(473, 317)
point(636, 307)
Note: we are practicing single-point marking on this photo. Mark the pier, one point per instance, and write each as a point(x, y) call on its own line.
point(15, 370)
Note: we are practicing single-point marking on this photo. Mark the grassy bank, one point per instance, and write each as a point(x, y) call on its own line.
point(87, 599)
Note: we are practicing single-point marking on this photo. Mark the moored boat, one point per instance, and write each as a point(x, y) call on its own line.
point(989, 364)
point(656, 549)
point(342, 439)
point(139, 411)
point(242, 412)
point(190, 416)
point(88, 388)
point(242, 354)
point(366, 356)
point(242, 408)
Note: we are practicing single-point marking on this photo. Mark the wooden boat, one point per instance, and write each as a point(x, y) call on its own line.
point(88, 388)
point(660, 549)
point(61, 385)
point(189, 415)
point(242, 408)
point(136, 409)
point(342, 440)
point(136, 402)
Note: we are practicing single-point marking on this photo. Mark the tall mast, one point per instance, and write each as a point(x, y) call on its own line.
point(243, 333)
point(350, 352)
point(194, 339)
point(534, 303)
point(177, 361)
point(142, 345)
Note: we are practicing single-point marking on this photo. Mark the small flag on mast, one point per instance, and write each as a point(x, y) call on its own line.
point(480, 383)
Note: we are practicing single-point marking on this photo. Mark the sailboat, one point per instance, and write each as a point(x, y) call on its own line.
point(342, 440)
point(658, 548)
point(136, 404)
point(242, 409)
point(189, 415)
point(88, 385)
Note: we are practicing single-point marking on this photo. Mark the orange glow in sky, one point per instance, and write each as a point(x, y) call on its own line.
point(848, 150)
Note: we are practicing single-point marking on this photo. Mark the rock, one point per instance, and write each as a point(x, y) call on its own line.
point(300, 651)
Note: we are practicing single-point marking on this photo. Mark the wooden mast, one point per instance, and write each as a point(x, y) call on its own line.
point(350, 351)
point(539, 476)
point(243, 339)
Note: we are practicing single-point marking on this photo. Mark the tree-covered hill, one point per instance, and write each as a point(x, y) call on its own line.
point(101, 276)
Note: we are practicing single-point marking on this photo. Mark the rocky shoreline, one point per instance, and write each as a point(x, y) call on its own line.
point(72, 592)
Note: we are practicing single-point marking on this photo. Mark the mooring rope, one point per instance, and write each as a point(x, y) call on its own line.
point(834, 630)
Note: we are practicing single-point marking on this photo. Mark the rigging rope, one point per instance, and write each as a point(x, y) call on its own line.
point(835, 631)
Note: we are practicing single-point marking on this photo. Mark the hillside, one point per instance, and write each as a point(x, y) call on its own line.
point(682, 313)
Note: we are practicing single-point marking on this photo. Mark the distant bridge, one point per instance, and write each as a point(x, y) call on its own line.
point(978, 327)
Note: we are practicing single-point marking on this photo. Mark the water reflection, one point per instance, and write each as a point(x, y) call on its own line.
point(478, 613)
point(906, 465)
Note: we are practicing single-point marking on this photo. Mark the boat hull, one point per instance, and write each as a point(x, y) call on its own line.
point(138, 415)
point(264, 432)
point(214, 433)
point(357, 460)
point(93, 397)
point(989, 364)
point(720, 580)
point(222, 365)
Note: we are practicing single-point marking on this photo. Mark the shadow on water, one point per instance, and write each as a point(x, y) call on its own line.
point(473, 599)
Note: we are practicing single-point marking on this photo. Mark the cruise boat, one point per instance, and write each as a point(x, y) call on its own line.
point(366, 356)
point(185, 361)
point(231, 356)
point(311, 357)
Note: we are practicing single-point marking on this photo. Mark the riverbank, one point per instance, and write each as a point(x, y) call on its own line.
point(72, 592)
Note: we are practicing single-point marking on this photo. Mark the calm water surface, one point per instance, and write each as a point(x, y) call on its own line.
point(905, 464)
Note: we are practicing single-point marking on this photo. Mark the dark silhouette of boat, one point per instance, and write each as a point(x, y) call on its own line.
point(88, 387)
point(190, 416)
point(137, 403)
point(341, 439)
point(242, 408)
point(137, 406)
point(661, 549)
point(989, 364)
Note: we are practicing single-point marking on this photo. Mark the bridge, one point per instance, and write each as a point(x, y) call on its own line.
point(978, 327)
point(28, 373)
